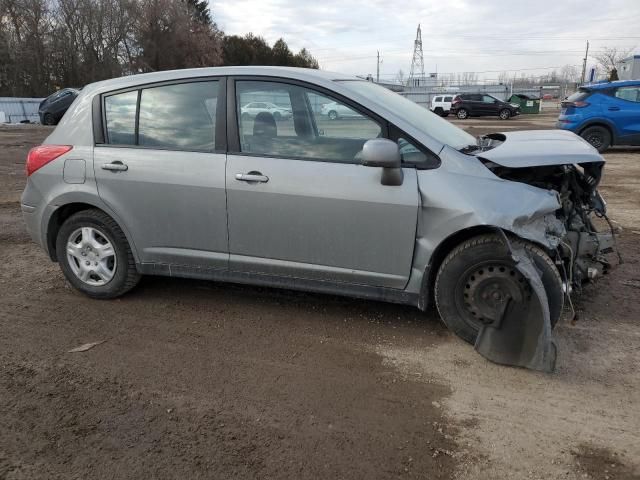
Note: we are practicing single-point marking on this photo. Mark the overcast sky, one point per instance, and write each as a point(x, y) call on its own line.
point(485, 36)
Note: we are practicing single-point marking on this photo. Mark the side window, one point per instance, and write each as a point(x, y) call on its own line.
point(631, 94)
point(448, 99)
point(304, 124)
point(411, 154)
point(181, 116)
point(488, 99)
point(120, 116)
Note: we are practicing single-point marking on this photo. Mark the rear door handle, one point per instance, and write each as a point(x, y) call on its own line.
point(251, 177)
point(614, 109)
point(115, 167)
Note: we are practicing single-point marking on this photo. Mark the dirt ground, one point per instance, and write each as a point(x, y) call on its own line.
point(206, 380)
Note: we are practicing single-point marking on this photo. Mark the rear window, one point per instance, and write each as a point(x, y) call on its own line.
point(179, 116)
point(438, 99)
point(578, 96)
point(631, 94)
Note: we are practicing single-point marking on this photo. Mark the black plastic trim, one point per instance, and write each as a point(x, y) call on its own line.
point(96, 120)
point(382, 294)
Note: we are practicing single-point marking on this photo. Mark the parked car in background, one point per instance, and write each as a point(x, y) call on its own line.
point(53, 107)
point(467, 105)
point(604, 114)
point(335, 110)
point(441, 104)
point(400, 206)
point(251, 110)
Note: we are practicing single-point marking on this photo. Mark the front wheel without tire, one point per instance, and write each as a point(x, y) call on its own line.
point(504, 114)
point(462, 114)
point(95, 256)
point(478, 274)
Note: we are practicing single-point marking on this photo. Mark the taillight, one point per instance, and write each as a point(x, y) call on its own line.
point(38, 157)
point(578, 104)
point(456, 100)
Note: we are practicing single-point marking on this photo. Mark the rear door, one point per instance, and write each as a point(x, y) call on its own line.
point(299, 202)
point(474, 102)
point(624, 110)
point(161, 169)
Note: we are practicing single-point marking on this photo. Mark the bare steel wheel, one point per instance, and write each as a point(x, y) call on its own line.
point(484, 288)
point(91, 256)
point(477, 275)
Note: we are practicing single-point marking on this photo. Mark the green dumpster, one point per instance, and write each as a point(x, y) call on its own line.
point(527, 103)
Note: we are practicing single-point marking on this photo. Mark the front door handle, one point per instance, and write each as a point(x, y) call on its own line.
point(115, 166)
point(614, 109)
point(252, 177)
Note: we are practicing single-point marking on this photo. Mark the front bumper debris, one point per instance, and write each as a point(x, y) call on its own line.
point(521, 333)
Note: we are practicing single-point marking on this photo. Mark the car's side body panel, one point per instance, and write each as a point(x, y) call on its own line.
point(321, 220)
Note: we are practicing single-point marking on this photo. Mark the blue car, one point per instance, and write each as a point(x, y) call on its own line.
point(604, 114)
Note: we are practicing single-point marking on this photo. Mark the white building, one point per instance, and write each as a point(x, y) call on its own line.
point(629, 68)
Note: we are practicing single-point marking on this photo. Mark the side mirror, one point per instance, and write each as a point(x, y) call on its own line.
point(383, 153)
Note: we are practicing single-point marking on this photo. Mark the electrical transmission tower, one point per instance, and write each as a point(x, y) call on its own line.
point(416, 77)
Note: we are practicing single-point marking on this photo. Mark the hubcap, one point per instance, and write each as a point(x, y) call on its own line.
point(91, 256)
point(504, 115)
point(487, 289)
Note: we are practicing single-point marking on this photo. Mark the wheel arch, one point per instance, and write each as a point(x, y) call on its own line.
point(63, 212)
point(600, 123)
point(451, 242)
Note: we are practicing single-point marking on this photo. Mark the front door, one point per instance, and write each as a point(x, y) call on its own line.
point(301, 205)
point(160, 173)
point(624, 110)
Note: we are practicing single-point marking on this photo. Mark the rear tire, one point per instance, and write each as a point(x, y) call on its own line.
point(438, 111)
point(462, 114)
point(599, 137)
point(474, 268)
point(76, 255)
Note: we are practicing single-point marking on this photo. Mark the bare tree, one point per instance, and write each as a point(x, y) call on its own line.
point(609, 58)
point(401, 77)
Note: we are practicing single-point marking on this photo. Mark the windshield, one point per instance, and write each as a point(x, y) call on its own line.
point(420, 117)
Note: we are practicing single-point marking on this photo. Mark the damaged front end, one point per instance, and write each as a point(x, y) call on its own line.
point(581, 254)
point(579, 236)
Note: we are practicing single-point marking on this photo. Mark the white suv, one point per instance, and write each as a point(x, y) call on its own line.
point(441, 104)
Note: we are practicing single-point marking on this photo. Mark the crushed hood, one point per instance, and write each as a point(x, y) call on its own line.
point(536, 148)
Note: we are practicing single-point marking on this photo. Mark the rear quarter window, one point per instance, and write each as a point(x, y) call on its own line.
point(120, 117)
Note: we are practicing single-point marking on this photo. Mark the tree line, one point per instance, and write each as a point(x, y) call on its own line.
point(50, 44)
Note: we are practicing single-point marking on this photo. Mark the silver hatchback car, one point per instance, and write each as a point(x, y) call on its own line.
point(161, 174)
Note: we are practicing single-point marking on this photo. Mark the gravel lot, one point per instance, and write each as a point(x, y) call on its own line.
point(205, 380)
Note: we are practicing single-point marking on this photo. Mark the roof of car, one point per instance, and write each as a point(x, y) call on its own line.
point(617, 83)
point(167, 75)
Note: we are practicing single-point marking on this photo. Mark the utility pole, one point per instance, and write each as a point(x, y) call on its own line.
point(584, 64)
point(378, 68)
